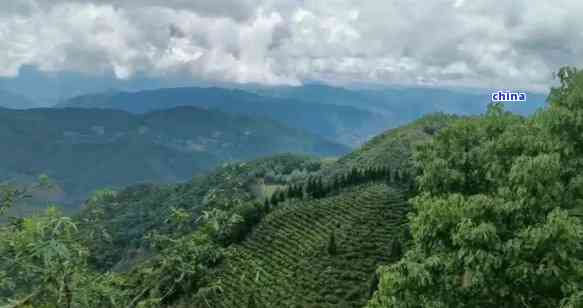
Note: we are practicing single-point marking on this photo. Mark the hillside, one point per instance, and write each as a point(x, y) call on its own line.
point(128, 215)
point(285, 262)
point(393, 148)
point(344, 124)
point(287, 250)
point(116, 148)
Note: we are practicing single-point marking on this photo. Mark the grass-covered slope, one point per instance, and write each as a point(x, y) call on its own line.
point(287, 262)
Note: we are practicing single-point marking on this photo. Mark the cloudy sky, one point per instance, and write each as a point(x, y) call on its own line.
point(475, 43)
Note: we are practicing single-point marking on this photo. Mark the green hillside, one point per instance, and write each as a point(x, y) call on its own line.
point(127, 216)
point(393, 148)
point(88, 149)
point(286, 263)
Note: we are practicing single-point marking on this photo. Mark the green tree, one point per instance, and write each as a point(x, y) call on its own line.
point(332, 247)
point(44, 181)
point(43, 263)
point(9, 195)
point(491, 227)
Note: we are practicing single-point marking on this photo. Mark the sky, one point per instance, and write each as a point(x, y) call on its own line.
point(515, 44)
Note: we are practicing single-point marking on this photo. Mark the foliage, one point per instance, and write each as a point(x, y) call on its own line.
point(393, 148)
point(8, 195)
point(491, 227)
point(40, 258)
point(285, 262)
point(332, 246)
point(113, 224)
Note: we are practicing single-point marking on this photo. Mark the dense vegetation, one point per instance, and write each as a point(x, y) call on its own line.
point(133, 242)
point(317, 253)
point(84, 150)
point(491, 227)
point(486, 224)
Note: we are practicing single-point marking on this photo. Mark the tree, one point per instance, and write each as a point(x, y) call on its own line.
point(332, 247)
point(9, 195)
point(43, 257)
point(44, 181)
point(396, 249)
point(491, 227)
point(275, 198)
point(373, 284)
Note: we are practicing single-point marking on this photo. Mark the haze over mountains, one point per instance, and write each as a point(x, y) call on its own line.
point(348, 116)
point(86, 149)
point(15, 101)
point(170, 134)
point(345, 124)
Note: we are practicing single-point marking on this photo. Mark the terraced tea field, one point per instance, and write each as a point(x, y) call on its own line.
point(286, 263)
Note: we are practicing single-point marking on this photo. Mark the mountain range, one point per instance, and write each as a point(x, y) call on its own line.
point(86, 149)
point(344, 124)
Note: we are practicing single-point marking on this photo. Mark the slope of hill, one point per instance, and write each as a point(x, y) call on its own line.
point(290, 240)
point(308, 251)
point(85, 149)
point(286, 262)
point(128, 215)
point(393, 148)
point(345, 124)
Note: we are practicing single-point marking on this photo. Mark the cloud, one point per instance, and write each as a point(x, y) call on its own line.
point(442, 42)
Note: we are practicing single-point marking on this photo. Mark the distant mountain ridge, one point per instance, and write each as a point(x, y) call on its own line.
point(344, 124)
point(15, 101)
point(86, 149)
point(347, 116)
point(405, 104)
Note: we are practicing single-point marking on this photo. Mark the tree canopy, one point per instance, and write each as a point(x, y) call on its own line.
point(491, 226)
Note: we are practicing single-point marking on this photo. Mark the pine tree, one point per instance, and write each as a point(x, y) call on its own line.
point(396, 249)
point(319, 188)
point(396, 177)
point(336, 184)
point(332, 248)
point(373, 284)
point(281, 196)
point(275, 198)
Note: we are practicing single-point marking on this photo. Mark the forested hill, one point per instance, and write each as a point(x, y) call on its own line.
point(87, 149)
point(445, 212)
point(344, 124)
point(267, 220)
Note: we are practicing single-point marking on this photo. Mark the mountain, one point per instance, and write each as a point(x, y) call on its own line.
point(404, 104)
point(344, 124)
point(279, 255)
point(86, 149)
point(15, 101)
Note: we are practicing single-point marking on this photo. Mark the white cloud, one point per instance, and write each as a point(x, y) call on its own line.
point(449, 42)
